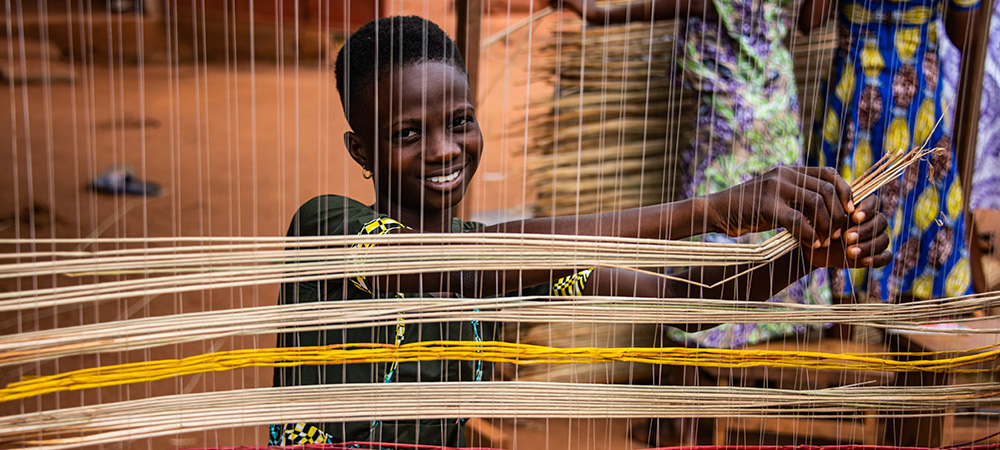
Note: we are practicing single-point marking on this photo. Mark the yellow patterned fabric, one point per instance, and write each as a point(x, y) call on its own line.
point(856, 13)
point(907, 41)
point(860, 15)
point(571, 285)
point(959, 278)
point(845, 93)
point(923, 286)
point(955, 200)
point(965, 4)
point(831, 129)
point(917, 16)
point(378, 226)
point(871, 58)
point(925, 122)
point(898, 136)
point(927, 208)
point(862, 158)
point(297, 434)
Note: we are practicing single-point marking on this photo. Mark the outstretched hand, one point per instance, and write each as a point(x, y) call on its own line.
point(813, 203)
point(864, 244)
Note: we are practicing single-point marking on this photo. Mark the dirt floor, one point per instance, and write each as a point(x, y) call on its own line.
point(237, 148)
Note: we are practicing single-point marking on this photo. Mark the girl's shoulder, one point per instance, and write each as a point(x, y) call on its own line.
point(330, 215)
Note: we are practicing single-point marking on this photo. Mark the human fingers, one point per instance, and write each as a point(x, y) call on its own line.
point(879, 260)
point(866, 248)
point(835, 192)
point(868, 229)
point(868, 243)
point(867, 208)
point(844, 195)
point(873, 253)
point(812, 220)
point(843, 189)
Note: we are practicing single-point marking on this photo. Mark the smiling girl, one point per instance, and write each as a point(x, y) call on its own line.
point(406, 95)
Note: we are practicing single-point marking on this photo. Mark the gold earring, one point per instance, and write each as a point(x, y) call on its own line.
point(366, 173)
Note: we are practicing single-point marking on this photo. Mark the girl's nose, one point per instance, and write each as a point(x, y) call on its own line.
point(442, 148)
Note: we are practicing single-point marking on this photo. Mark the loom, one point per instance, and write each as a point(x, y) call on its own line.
point(149, 322)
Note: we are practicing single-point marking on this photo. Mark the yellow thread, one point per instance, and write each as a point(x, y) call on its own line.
point(492, 352)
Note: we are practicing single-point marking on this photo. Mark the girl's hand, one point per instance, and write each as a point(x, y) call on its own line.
point(812, 203)
point(864, 244)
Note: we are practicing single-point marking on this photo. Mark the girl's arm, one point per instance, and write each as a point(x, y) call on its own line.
point(813, 203)
point(815, 13)
point(639, 10)
point(864, 244)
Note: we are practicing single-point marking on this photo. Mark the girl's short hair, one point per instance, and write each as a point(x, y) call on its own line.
point(388, 44)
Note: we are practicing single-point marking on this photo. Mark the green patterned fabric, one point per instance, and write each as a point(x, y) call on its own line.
point(747, 123)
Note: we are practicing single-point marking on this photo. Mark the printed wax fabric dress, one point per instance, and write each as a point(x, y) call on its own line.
point(986, 173)
point(747, 123)
point(885, 94)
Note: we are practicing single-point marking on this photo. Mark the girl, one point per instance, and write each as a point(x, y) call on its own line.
point(406, 95)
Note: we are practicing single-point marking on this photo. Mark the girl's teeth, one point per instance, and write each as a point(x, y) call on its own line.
point(445, 178)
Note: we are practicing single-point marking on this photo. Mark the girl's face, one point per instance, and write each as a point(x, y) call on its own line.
point(429, 142)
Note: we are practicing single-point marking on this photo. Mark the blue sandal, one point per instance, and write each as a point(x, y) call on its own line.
point(121, 179)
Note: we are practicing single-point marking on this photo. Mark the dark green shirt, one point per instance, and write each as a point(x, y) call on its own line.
point(332, 215)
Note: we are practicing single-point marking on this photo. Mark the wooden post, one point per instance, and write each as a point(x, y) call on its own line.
point(468, 34)
point(967, 110)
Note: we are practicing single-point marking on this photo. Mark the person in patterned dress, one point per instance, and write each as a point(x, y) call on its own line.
point(406, 96)
point(884, 95)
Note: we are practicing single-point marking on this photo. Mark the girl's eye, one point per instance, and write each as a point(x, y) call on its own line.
point(404, 134)
point(461, 121)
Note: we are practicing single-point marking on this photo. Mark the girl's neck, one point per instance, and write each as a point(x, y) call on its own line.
point(423, 221)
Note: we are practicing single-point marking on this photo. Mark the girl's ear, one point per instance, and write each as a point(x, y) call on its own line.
point(357, 149)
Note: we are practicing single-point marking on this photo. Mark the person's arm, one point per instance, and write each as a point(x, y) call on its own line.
point(864, 244)
point(812, 203)
point(815, 13)
point(647, 10)
point(959, 24)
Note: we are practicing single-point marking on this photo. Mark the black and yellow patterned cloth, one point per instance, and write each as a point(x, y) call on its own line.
point(297, 434)
point(332, 215)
